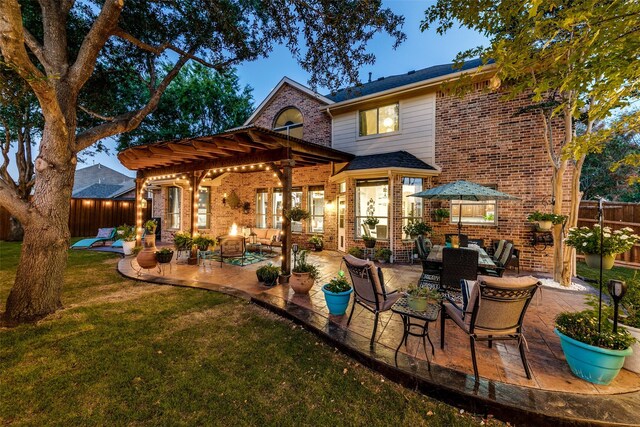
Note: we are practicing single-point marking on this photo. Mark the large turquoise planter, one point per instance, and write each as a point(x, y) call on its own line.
point(594, 364)
point(337, 302)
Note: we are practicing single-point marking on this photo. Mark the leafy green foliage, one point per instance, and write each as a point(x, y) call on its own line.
point(268, 273)
point(316, 240)
point(356, 252)
point(303, 266)
point(203, 241)
point(416, 227)
point(182, 241)
point(296, 213)
point(126, 233)
point(540, 216)
point(383, 254)
point(338, 284)
point(583, 326)
point(587, 240)
point(424, 292)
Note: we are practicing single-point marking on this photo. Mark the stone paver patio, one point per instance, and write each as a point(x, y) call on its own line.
point(499, 367)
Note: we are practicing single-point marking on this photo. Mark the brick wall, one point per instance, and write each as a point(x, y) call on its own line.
point(317, 124)
point(480, 138)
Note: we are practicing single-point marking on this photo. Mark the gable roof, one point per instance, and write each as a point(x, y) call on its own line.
point(98, 174)
point(104, 191)
point(294, 84)
point(395, 159)
point(387, 83)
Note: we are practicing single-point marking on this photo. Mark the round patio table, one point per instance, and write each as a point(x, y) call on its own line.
point(416, 323)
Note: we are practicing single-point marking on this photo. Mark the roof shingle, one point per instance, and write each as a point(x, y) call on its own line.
point(396, 159)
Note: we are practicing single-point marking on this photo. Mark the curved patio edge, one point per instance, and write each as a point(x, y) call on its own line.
point(507, 402)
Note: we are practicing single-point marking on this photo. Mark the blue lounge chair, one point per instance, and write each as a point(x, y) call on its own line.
point(104, 235)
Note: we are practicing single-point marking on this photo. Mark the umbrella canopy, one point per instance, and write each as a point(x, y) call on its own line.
point(463, 190)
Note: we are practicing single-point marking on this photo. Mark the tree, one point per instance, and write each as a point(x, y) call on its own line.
point(199, 101)
point(600, 176)
point(579, 60)
point(73, 46)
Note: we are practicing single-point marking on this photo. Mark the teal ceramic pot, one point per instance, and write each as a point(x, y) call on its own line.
point(337, 302)
point(594, 364)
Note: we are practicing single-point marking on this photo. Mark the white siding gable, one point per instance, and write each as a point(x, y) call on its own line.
point(416, 134)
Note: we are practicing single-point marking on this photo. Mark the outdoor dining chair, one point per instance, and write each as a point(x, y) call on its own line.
point(457, 264)
point(430, 270)
point(478, 242)
point(497, 250)
point(505, 260)
point(464, 239)
point(369, 289)
point(494, 311)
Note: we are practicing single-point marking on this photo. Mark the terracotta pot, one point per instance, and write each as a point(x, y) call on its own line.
point(147, 256)
point(593, 261)
point(301, 283)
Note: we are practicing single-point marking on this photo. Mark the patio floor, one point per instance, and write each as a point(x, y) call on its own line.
point(500, 367)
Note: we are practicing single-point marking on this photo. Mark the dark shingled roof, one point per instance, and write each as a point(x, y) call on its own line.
point(103, 191)
point(396, 159)
point(386, 83)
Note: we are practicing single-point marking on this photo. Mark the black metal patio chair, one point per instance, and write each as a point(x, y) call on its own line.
point(457, 264)
point(506, 258)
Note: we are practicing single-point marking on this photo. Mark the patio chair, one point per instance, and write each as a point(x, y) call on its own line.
point(495, 311)
point(515, 260)
point(501, 264)
point(232, 247)
point(104, 235)
point(369, 289)
point(477, 242)
point(430, 270)
point(464, 239)
point(498, 248)
point(457, 264)
point(365, 230)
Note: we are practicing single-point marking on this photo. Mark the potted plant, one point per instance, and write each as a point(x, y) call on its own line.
point(418, 297)
point(303, 275)
point(317, 242)
point(164, 255)
point(545, 221)
point(587, 242)
point(203, 242)
point(151, 226)
point(297, 214)
point(440, 214)
point(268, 274)
point(147, 257)
point(356, 252)
point(182, 241)
point(592, 356)
point(369, 242)
point(128, 235)
point(383, 255)
point(416, 227)
point(337, 294)
point(371, 222)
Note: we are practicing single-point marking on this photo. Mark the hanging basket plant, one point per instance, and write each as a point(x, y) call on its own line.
point(297, 214)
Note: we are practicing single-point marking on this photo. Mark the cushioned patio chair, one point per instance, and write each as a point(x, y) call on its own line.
point(498, 248)
point(430, 270)
point(464, 239)
point(457, 264)
point(506, 257)
point(369, 289)
point(494, 310)
point(104, 235)
point(232, 247)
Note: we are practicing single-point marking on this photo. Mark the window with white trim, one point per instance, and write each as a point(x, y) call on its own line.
point(372, 201)
point(484, 212)
point(380, 120)
point(316, 209)
point(289, 122)
point(411, 206)
point(173, 207)
point(262, 201)
point(204, 208)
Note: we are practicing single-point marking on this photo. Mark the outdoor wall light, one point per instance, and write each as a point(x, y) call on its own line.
point(617, 289)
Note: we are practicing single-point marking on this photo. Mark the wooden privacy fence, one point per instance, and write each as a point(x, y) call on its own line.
point(87, 215)
point(616, 215)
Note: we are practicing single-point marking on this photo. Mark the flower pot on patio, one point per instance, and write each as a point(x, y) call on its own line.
point(127, 247)
point(164, 257)
point(632, 362)
point(301, 283)
point(594, 364)
point(147, 257)
point(417, 303)
point(545, 225)
point(593, 261)
point(283, 279)
point(337, 302)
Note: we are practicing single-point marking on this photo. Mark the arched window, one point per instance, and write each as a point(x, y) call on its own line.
point(289, 122)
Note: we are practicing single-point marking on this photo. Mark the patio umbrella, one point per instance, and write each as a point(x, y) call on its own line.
point(463, 190)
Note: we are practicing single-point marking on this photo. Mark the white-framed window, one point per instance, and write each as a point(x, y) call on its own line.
point(204, 208)
point(380, 120)
point(296, 202)
point(276, 208)
point(372, 201)
point(483, 212)
point(289, 122)
point(412, 207)
point(316, 209)
point(174, 203)
point(262, 201)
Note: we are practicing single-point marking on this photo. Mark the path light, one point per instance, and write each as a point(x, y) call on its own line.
point(294, 249)
point(617, 289)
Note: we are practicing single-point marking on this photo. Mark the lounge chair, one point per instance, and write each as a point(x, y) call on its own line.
point(370, 291)
point(104, 235)
point(494, 310)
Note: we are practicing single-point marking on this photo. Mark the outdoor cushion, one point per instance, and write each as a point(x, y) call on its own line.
point(464, 320)
point(271, 232)
point(509, 282)
point(261, 233)
point(374, 271)
point(104, 233)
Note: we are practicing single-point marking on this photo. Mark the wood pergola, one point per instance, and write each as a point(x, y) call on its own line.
point(230, 150)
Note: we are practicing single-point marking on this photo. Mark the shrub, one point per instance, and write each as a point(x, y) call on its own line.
point(338, 284)
point(383, 254)
point(417, 228)
point(583, 326)
point(356, 252)
point(182, 241)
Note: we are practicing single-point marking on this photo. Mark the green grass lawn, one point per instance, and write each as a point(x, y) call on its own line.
point(123, 352)
point(619, 273)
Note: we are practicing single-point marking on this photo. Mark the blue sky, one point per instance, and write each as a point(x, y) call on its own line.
point(420, 50)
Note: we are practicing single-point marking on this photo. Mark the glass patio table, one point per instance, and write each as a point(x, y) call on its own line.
point(484, 260)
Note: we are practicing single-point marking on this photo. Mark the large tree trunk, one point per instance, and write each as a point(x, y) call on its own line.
point(39, 277)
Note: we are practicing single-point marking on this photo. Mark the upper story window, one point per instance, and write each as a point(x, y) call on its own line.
point(289, 122)
point(380, 120)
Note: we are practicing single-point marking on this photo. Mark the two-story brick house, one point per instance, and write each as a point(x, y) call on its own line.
point(404, 133)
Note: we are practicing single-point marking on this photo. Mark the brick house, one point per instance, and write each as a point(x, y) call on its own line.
point(360, 152)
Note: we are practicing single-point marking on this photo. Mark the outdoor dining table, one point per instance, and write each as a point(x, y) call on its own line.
point(484, 260)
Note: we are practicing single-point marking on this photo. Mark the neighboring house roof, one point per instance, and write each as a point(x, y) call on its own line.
point(288, 81)
point(98, 174)
point(392, 82)
point(396, 159)
point(102, 191)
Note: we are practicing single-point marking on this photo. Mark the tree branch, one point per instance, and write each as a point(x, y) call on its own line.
point(94, 114)
point(17, 207)
point(36, 48)
point(130, 121)
point(94, 41)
